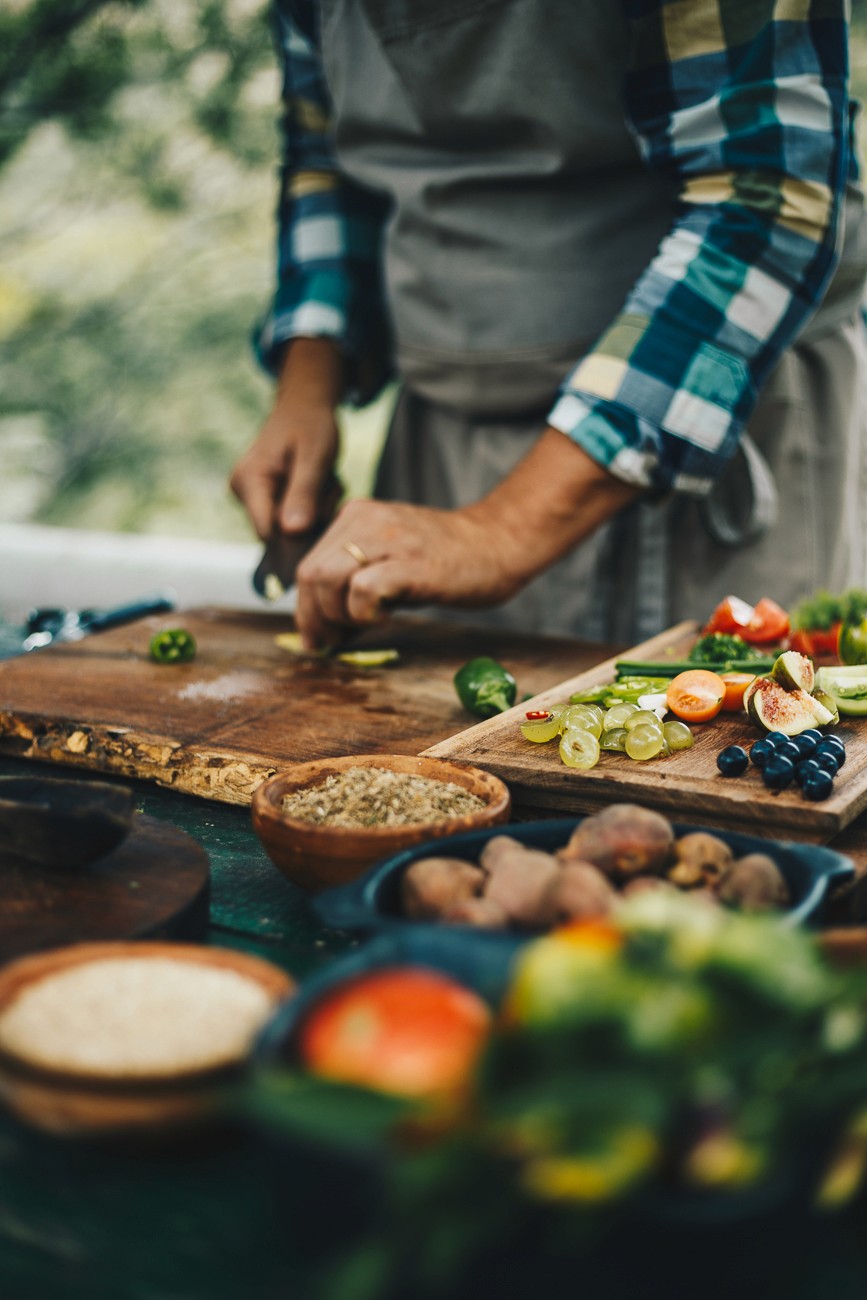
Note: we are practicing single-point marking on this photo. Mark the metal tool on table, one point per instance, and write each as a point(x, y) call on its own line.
point(283, 553)
point(50, 626)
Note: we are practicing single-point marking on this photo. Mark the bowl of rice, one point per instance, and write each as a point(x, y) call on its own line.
point(324, 823)
point(101, 1038)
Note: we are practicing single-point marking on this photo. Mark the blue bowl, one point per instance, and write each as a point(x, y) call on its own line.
point(371, 904)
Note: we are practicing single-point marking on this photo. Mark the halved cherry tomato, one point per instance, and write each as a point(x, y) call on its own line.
point(816, 642)
point(401, 1030)
point(696, 695)
point(731, 616)
point(769, 623)
point(735, 684)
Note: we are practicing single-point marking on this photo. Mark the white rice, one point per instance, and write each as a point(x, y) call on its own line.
point(135, 1018)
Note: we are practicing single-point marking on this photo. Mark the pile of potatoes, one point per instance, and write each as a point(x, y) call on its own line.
point(614, 854)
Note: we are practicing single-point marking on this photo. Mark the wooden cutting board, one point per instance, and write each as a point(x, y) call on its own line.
point(244, 708)
point(154, 885)
point(687, 785)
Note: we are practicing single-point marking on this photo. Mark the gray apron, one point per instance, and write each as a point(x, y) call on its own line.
point(521, 217)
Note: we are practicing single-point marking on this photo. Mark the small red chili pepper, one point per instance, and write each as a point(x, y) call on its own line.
point(536, 715)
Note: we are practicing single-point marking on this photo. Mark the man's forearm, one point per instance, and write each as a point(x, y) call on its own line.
point(312, 373)
point(550, 502)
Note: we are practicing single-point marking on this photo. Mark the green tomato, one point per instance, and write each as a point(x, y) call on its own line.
point(852, 645)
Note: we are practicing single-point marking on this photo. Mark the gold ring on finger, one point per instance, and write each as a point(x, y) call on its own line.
point(357, 553)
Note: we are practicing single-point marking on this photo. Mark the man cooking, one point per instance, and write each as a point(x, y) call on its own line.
point(616, 255)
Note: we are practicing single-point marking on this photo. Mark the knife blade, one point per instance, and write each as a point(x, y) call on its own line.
point(275, 573)
point(74, 626)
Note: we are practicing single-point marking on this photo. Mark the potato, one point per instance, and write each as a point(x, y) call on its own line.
point(517, 879)
point(578, 890)
point(482, 912)
point(754, 884)
point(623, 841)
point(431, 887)
point(702, 861)
point(645, 885)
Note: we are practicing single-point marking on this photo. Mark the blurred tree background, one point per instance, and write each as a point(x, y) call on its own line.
point(138, 152)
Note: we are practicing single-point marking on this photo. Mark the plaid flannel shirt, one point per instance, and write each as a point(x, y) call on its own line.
point(746, 106)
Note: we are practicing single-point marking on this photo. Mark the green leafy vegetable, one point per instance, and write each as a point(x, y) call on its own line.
point(719, 648)
point(824, 609)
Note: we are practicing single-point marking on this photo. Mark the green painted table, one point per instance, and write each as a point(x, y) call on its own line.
point(236, 1217)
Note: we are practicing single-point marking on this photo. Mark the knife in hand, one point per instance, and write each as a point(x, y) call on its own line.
point(283, 553)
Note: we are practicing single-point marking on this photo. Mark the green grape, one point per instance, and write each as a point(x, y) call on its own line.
point(541, 729)
point(614, 739)
point(579, 749)
point(583, 717)
point(678, 735)
point(617, 715)
point(665, 752)
point(643, 718)
point(644, 742)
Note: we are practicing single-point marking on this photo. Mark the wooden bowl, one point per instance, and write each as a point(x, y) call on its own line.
point(316, 857)
point(77, 1104)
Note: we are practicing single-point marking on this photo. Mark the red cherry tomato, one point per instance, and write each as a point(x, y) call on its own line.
point(769, 623)
point(731, 616)
point(736, 685)
point(696, 695)
point(816, 643)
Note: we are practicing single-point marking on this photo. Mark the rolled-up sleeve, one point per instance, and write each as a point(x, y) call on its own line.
point(329, 276)
point(745, 106)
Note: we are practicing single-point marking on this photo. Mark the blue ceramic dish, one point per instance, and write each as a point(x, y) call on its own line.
point(371, 904)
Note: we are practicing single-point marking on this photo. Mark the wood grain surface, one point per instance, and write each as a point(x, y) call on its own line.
point(687, 785)
point(244, 708)
point(153, 885)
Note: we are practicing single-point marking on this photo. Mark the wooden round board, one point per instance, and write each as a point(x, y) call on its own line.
point(154, 885)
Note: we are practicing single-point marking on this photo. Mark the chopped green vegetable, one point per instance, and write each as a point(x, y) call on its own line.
point(174, 645)
point(670, 668)
point(720, 648)
point(627, 689)
point(485, 687)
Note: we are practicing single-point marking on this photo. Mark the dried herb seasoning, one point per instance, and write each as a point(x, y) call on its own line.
point(374, 796)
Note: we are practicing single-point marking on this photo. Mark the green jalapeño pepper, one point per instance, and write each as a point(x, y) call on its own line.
point(173, 646)
point(485, 687)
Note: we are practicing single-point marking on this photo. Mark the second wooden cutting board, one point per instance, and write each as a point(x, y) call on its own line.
point(686, 786)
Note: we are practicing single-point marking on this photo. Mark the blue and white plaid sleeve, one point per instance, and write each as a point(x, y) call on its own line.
point(329, 280)
point(746, 106)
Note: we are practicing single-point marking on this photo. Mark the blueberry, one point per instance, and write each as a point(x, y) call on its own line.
point(806, 742)
point(778, 773)
point(732, 760)
point(777, 737)
point(810, 734)
point(828, 759)
point(804, 768)
point(833, 745)
point(818, 785)
point(761, 752)
point(788, 749)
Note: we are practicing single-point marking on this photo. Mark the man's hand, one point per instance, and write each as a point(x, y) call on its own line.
point(380, 554)
point(286, 480)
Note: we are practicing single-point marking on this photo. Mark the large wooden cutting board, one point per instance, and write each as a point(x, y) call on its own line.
point(687, 785)
point(245, 708)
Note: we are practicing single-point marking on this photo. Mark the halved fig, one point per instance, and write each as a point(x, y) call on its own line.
point(776, 709)
point(794, 672)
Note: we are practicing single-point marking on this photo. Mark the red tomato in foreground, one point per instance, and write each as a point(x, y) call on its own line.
point(696, 695)
point(769, 623)
point(403, 1030)
point(731, 616)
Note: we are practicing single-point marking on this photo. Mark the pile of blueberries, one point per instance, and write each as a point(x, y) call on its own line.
point(811, 760)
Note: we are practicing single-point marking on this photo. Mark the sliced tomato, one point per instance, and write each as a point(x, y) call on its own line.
point(401, 1030)
point(769, 623)
point(731, 616)
point(816, 643)
point(696, 695)
point(736, 685)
